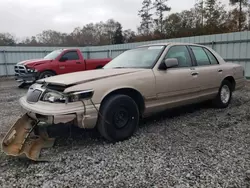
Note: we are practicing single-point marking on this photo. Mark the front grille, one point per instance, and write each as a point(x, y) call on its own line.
point(20, 69)
point(34, 95)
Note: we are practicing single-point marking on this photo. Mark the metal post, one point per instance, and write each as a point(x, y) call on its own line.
point(213, 43)
point(5, 63)
point(108, 53)
point(88, 54)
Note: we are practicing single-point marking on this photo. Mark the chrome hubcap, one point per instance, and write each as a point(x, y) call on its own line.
point(225, 94)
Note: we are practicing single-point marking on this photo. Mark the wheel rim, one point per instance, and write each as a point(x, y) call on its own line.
point(225, 94)
point(46, 76)
point(121, 118)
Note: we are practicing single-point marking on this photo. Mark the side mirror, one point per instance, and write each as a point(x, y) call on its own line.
point(171, 62)
point(63, 59)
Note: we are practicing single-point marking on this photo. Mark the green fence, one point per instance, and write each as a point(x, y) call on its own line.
point(233, 47)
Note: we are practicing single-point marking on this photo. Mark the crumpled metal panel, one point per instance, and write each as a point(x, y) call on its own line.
point(21, 141)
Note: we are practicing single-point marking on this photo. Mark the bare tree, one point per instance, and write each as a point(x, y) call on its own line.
point(241, 3)
point(146, 16)
point(6, 39)
point(161, 7)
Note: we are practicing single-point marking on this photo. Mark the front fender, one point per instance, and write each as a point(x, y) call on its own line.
point(113, 90)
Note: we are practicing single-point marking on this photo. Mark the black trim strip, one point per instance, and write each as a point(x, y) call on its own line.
point(193, 56)
point(194, 63)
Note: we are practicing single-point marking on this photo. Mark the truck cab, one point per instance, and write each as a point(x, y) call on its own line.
point(61, 61)
point(69, 61)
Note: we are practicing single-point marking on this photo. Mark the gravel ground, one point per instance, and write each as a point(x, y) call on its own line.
point(195, 146)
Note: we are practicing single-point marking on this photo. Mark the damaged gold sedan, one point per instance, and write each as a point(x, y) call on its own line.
point(135, 84)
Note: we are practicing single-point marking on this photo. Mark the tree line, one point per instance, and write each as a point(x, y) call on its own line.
point(206, 17)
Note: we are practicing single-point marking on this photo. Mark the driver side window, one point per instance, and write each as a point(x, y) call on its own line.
point(72, 55)
point(181, 53)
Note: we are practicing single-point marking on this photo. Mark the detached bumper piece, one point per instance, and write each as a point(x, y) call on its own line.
point(21, 140)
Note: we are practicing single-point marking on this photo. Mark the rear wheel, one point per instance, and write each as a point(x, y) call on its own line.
point(224, 95)
point(119, 118)
point(46, 74)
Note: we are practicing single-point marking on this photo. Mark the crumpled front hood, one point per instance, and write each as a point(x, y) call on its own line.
point(86, 76)
point(33, 62)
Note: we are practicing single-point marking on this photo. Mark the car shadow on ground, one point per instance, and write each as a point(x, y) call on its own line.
point(65, 132)
point(24, 86)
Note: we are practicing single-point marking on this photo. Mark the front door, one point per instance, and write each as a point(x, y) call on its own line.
point(71, 63)
point(179, 85)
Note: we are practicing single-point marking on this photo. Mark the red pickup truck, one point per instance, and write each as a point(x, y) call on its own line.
point(57, 62)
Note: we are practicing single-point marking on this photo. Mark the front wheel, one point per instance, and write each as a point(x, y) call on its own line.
point(46, 74)
point(99, 67)
point(119, 118)
point(224, 95)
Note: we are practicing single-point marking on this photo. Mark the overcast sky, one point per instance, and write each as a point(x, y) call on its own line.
point(30, 17)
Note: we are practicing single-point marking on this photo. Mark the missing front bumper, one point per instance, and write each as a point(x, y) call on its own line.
point(21, 140)
point(26, 77)
point(75, 113)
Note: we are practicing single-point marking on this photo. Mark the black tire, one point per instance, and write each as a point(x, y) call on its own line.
point(114, 126)
point(23, 85)
point(218, 101)
point(46, 74)
point(99, 67)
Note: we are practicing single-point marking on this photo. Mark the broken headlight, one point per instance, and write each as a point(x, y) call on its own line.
point(53, 97)
point(80, 95)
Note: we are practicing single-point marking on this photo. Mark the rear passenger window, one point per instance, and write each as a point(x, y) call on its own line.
point(200, 56)
point(181, 53)
point(212, 59)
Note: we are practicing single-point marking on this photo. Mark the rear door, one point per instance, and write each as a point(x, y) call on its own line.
point(179, 85)
point(73, 62)
point(209, 70)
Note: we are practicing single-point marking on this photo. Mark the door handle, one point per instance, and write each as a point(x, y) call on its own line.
point(220, 70)
point(194, 73)
point(78, 62)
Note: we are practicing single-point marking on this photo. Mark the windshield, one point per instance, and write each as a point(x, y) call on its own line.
point(143, 57)
point(53, 55)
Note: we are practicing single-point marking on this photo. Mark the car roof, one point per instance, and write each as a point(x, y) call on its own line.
point(171, 43)
point(66, 49)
